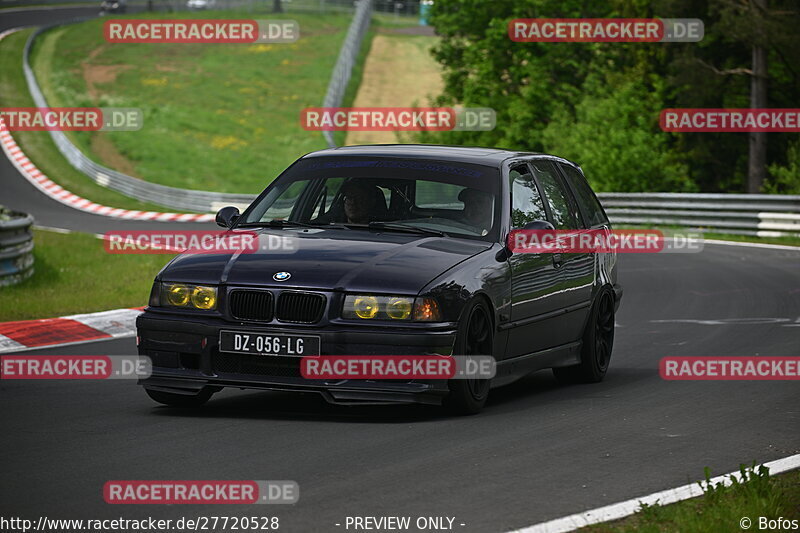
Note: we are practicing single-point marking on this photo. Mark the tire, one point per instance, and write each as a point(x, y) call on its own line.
point(597, 344)
point(180, 400)
point(475, 336)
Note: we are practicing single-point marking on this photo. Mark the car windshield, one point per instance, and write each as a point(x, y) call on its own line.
point(404, 195)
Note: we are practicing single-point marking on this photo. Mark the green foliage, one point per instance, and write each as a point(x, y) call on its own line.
point(599, 103)
point(785, 179)
point(614, 139)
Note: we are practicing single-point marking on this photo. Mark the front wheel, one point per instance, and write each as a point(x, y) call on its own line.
point(598, 340)
point(180, 400)
point(474, 337)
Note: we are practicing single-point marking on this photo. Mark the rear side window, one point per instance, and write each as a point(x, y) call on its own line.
point(565, 215)
point(526, 204)
point(590, 205)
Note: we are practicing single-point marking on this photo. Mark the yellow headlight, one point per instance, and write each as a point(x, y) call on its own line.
point(204, 297)
point(399, 308)
point(178, 295)
point(366, 306)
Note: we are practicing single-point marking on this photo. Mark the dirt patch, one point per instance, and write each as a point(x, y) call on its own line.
point(412, 30)
point(399, 72)
point(94, 74)
point(108, 154)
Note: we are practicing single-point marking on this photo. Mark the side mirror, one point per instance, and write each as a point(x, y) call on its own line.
point(506, 252)
point(227, 216)
point(539, 224)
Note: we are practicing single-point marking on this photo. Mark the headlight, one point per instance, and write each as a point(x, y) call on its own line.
point(185, 295)
point(368, 307)
point(204, 297)
point(365, 306)
point(399, 308)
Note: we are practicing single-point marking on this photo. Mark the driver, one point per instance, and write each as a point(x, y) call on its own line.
point(477, 208)
point(359, 202)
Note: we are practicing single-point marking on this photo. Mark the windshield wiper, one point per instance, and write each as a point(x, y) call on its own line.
point(276, 223)
point(398, 226)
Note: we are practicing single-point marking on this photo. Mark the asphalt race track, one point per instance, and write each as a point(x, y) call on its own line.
point(538, 451)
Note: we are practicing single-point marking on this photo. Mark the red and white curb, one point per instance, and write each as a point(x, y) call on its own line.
point(39, 180)
point(666, 497)
point(73, 329)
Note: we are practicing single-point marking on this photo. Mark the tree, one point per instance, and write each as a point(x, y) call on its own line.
point(570, 98)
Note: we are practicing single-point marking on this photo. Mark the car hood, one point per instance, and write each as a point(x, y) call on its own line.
point(339, 259)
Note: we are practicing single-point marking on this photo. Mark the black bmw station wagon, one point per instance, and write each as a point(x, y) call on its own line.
point(397, 250)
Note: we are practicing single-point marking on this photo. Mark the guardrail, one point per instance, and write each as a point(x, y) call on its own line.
point(347, 59)
point(16, 247)
point(764, 215)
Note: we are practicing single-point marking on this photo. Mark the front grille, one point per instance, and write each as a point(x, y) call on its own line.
point(259, 365)
point(300, 307)
point(251, 305)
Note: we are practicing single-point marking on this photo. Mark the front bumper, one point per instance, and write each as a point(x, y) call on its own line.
point(186, 358)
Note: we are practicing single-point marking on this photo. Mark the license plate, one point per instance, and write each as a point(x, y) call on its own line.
point(268, 344)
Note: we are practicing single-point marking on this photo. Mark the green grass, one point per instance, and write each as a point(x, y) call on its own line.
point(720, 509)
point(74, 274)
point(787, 241)
point(38, 145)
point(216, 117)
point(668, 230)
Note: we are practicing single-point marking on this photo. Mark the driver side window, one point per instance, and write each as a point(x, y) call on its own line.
point(526, 202)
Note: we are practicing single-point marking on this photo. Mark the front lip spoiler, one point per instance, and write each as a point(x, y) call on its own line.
point(347, 392)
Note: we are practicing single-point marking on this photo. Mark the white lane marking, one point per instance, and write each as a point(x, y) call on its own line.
point(722, 321)
point(753, 245)
point(629, 507)
point(54, 230)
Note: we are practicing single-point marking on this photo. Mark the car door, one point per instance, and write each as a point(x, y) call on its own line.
point(577, 269)
point(534, 277)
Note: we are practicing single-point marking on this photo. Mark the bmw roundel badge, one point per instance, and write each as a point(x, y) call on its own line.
point(281, 276)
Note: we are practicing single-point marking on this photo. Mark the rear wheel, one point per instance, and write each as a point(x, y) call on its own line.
point(180, 400)
point(598, 341)
point(475, 337)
